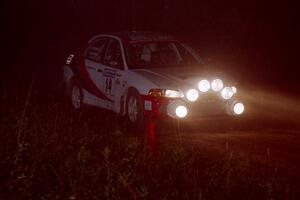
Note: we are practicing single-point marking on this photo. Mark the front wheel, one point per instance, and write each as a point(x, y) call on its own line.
point(76, 95)
point(135, 112)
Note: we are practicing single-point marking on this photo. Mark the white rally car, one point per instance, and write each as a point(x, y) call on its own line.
point(139, 75)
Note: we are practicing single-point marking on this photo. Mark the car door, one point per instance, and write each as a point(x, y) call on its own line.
point(94, 61)
point(113, 72)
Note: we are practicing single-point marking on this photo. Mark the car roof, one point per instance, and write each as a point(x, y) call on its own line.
point(134, 36)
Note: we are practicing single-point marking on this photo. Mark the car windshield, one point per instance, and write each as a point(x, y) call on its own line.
point(160, 54)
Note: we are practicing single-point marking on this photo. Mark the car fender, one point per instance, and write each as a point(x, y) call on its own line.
point(137, 82)
point(68, 73)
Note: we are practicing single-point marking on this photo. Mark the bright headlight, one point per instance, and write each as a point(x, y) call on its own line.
point(177, 109)
point(204, 85)
point(165, 93)
point(173, 93)
point(238, 108)
point(227, 93)
point(217, 85)
point(181, 111)
point(192, 95)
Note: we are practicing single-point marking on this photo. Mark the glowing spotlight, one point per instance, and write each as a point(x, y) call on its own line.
point(192, 95)
point(181, 111)
point(204, 85)
point(238, 108)
point(217, 85)
point(227, 93)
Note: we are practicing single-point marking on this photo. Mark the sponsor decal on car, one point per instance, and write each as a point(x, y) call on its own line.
point(109, 73)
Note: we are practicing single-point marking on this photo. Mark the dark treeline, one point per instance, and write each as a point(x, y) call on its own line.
point(258, 38)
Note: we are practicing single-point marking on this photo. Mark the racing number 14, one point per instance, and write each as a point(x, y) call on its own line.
point(108, 85)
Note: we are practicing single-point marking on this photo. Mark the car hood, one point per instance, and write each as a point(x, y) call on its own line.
point(179, 72)
point(162, 77)
point(176, 77)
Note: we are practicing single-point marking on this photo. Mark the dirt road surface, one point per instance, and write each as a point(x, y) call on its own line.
point(277, 148)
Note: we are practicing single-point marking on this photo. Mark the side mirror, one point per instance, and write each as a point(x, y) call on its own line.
point(113, 63)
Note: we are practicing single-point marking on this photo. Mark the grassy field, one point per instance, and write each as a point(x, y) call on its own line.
point(48, 151)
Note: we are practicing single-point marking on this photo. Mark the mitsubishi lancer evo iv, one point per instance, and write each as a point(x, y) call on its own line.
point(139, 75)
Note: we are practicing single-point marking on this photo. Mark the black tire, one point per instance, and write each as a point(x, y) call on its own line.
point(135, 120)
point(75, 94)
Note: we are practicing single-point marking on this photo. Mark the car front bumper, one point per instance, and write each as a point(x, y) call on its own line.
point(206, 107)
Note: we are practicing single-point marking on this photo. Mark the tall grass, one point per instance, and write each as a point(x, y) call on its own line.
point(67, 155)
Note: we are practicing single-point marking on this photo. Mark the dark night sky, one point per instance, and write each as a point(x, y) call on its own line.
point(259, 38)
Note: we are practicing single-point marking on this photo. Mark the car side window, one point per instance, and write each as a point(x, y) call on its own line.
point(113, 55)
point(96, 50)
